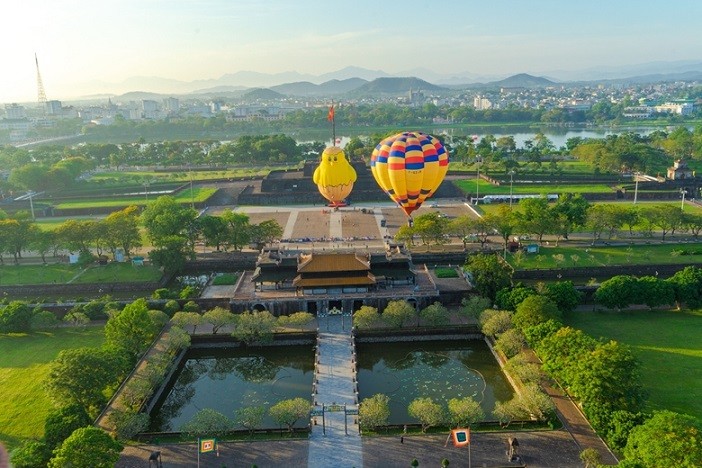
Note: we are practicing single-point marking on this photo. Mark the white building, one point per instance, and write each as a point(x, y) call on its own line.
point(482, 103)
point(15, 112)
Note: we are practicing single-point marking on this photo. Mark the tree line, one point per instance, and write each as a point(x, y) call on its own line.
point(603, 376)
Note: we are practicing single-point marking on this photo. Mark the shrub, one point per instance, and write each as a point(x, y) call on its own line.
point(171, 307)
point(16, 317)
point(446, 273)
point(191, 306)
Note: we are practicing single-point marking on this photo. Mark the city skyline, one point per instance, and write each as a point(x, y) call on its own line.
point(89, 47)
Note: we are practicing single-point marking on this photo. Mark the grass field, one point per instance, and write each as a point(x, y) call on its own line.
point(669, 346)
point(184, 175)
point(199, 194)
point(62, 273)
point(24, 363)
point(486, 188)
point(603, 256)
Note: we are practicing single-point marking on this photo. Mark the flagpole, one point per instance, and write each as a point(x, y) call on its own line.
point(333, 119)
point(198, 452)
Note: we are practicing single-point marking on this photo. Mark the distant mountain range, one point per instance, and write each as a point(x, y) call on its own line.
point(362, 82)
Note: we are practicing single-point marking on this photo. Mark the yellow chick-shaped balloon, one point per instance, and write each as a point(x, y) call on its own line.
point(334, 176)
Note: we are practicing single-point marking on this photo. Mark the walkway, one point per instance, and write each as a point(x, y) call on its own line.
point(335, 444)
point(290, 225)
point(574, 421)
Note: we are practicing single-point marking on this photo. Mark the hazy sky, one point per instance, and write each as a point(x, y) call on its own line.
point(82, 41)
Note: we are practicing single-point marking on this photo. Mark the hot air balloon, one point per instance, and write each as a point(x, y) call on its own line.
point(334, 176)
point(409, 167)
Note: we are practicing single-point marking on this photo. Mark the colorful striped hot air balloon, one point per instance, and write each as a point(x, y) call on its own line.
point(409, 167)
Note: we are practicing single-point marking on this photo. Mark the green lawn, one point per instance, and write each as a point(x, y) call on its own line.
point(486, 188)
point(603, 256)
point(669, 346)
point(23, 366)
point(183, 176)
point(61, 273)
point(199, 194)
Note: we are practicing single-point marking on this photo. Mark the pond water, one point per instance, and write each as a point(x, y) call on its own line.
point(440, 370)
point(226, 380)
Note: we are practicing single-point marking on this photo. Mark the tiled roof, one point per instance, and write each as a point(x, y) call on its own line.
point(315, 263)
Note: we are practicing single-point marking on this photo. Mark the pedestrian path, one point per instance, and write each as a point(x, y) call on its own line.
point(335, 225)
point(335, 439)
point(290, 225)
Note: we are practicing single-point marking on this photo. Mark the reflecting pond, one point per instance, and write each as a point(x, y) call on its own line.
point(226, 380)
point(440, 370)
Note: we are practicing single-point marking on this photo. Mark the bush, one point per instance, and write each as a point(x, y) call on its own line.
point(191, 306)
point(31, 454)
point(171, 307)
point(61, 423)
point(164, 293)
point(43, 320)
point(16, 317)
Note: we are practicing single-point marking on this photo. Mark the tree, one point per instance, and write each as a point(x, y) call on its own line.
point(122, 230)
point(218, 317)
point(435, 314)
point(81, 375)
point(16, 317)
point(171, 253)
point(239, 229)
point(495, 322)
point(165, 217)
point(207, 422)
point(620, 424)
point(43, 320)
point(667, 439)
point(504, 221)
point(427, 412)
point(366, 317)
point(561, 351)
point(511, 342)
point(524, 370)
point(490, 274)
point(430, 227)
point(287, 412)
point(535, 217)
point(266, 232)
point(31, 454)
point(61, 422)
point(530, 402)
point(87, 446)
point(215, 231)
point(252, 327)
point(591, 457)
point(398, 313)
point(374, 412)
point(618, 292)
point(534, 310)
point(463, 412)
point(250, 417)
point(655, 291)
point(474, 306)
point(563, 294)
point(687, 286)
point(187, 319)
point(297, 319)
point(128, 423)
point(510, 298)
point(607, 379)
point(131, 330)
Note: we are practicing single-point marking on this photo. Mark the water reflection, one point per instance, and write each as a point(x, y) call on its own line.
point(440, 370)
point(228, 379)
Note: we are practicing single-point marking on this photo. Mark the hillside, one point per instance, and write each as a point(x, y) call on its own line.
point(394, 86)
point(328, 88)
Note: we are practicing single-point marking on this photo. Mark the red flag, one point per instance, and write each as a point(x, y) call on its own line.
point(330, 116)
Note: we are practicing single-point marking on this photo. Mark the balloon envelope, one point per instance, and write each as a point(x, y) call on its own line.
point(334, 176)
point(409, 167)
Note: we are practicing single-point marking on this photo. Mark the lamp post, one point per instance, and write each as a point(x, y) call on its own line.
point(511, 180)
point(682, 204)
point(478, 160)
point(636, 186)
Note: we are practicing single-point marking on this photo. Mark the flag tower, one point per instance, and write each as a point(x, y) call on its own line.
point(41, 94)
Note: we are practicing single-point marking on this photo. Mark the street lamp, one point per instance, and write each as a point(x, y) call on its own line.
point(511, 180)
point(478, 160)
point(682, 204)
